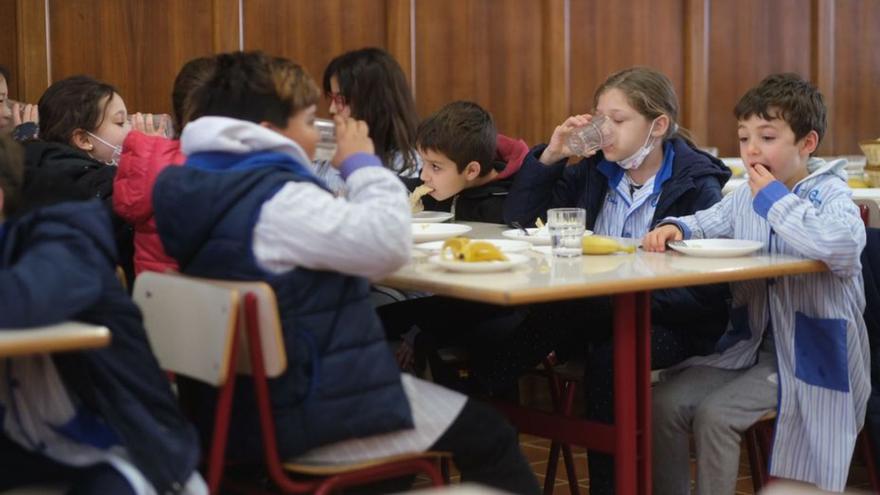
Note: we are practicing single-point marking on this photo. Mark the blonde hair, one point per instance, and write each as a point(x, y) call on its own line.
point(294, 85)
point(649, 92)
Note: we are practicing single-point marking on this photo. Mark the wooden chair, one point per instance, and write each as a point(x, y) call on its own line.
point(197, 328)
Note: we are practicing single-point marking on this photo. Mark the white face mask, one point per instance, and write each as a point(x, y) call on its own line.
point(635, 160)
point(117, 150)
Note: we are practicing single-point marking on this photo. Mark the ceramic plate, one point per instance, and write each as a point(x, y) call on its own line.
point(479, 266)
point(505, 245)
point(424, 232)
point(716, 248)
point(538, 237)
point(431, 216)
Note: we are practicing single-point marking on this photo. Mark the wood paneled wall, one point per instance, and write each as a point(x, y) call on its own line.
point(530, 62)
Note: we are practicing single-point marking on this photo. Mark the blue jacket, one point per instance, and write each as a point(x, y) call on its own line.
point(871, 276)
point(58, 263)
point(695, 184)
point(341, 381)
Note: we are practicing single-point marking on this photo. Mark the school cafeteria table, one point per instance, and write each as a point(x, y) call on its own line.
point(68, 336)
point(629, 279)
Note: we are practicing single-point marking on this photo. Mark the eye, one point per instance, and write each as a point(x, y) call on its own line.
point(435, 168)
point(768, 138)
point(743, 139)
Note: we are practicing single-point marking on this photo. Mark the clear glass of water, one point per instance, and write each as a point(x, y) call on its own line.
point(327, 144)
point(597, 134)
point(566, 227)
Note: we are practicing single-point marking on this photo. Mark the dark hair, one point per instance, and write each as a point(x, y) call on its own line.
point(11, 171)
point(77, 102)
point(462, 131)
point(254, 87)
point(4, 72)
point(375, 87)
point(651, 94)
point(192, 75)
point(788, 97)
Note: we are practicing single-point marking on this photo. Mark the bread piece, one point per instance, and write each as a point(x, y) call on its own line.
point(415, 198)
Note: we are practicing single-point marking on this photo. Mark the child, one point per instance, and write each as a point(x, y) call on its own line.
point(369, 85)
point(246, 206)
point(143, 157)
point(649, 171)
point(797, 344)
point(458, 150)
point(104, 420)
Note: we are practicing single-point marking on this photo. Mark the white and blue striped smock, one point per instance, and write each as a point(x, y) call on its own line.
point(821, 340)
point(628, 212)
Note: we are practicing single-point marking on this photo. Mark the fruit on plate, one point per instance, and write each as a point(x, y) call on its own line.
point(597, 244)
point(463, 249)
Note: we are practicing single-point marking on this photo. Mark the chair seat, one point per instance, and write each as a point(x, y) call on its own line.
point(334, 469)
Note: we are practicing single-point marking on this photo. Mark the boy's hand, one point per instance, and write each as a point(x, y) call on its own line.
point(352, 136)
point(22, 113)
point(759, 177)
point(655, 240)
point(558, 148)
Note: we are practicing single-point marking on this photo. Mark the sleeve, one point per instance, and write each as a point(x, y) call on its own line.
point(366, 234)
point(538, 187)
point(143, 157)
point(826, 227)
point(716, 221)
point(53, 280)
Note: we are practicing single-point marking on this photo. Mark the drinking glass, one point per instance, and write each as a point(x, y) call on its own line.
point(327, 144)
point(597, 134)
point(566, 227)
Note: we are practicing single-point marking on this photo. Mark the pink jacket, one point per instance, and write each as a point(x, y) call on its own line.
point(143, 158)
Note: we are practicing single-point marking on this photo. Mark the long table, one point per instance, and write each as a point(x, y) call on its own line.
point(629, 279)
point(68, 336)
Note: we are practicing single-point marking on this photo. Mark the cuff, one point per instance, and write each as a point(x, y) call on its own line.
point(685, 231)
point(766, 197)
point(358, 161)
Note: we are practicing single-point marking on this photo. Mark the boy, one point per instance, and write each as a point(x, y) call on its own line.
point(246, 206)
point(797, 344)
point(458, 146)
point(105, 420)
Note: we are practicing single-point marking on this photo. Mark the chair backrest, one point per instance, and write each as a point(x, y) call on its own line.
point(190, 324)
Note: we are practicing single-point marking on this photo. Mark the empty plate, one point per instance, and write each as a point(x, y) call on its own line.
point(716, 248)
point(424, 232)
point(431, 216)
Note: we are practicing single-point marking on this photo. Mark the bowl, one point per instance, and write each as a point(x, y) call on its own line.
point(871, 149)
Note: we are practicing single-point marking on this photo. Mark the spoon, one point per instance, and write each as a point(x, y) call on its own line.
point(517, 225)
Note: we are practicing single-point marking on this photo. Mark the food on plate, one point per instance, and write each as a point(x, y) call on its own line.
point(597, 244)
point(415, 198)
point(463, 249)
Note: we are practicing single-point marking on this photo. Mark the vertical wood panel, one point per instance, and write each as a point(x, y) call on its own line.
point(136, 45)
point(856, 95)
point(695, 110)
point(750, 39)
point(33, 67)
point(486, 51)
point(400, 43)
point(610, 36)
point(9, 43)
point(555, 66)
point(226, 25)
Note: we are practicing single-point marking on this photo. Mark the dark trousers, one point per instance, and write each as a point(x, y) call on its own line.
point(20, 467)
point(485, 448)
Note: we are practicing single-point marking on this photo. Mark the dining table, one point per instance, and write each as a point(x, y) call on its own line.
point(628, 278)
point(61, 337)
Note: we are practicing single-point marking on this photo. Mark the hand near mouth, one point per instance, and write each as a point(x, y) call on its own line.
point(759, 177)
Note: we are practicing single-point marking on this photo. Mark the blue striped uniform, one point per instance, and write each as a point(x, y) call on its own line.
point(819, 332)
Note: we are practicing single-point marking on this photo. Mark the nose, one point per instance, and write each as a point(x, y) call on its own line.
point(332, 108)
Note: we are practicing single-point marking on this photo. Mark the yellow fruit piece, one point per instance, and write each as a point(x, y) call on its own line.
point(452, 247)
point(480, 251)
point(857, 183)
point(597, 244)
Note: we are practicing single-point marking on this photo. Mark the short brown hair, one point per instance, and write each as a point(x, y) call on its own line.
point(192, 75)
point(11, 172)
point(77, 102)
point(464, 132)
point(788, 97)
point(254, 87)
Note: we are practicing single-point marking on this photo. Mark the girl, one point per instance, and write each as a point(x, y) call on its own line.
point(650, 170)
point(369, 85)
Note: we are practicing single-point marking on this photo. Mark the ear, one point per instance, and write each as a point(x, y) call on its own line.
point(472, 170)
point(661, 125)
point(80, 139)
point(810, 142)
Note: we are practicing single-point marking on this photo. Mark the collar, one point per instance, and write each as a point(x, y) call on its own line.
point(228, 135)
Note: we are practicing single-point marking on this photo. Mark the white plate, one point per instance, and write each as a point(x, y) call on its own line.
point(716, 248)
point(424, 232)
point(431, 216)
point(502, 244)
point(479, 266)
point(539, 237)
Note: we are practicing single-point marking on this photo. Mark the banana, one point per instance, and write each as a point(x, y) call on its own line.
point(462, 249)
point(452, 247)
point(597, 244)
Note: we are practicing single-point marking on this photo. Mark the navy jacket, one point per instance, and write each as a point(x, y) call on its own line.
point(341, 381)
point(871, 275)
point(58, 263)
point(477, 204)
point(695, 184)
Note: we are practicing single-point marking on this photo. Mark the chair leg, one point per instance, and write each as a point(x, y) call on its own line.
point(550, 475)
point(863, 445)
point(444, 469)
point(755, 462)
point(222, 413)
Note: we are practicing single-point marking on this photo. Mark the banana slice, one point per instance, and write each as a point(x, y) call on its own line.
point(597, 244)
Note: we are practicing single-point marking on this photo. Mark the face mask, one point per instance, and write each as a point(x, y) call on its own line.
point(117, 150)
point(635, 160)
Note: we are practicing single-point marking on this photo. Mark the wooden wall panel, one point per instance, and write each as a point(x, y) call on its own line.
point(9, 43)
point(312, 32)
point(137, 45)
point(750, 39)
point(486, 51)
point(610, 36)
point(856, 94)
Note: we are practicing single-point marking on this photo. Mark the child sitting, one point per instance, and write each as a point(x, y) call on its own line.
point(105, 420)
point(797, 344)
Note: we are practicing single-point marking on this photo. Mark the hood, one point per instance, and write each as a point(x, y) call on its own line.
point(46, 154)
point(223, 134)
point(818, 166)
point(696, 163)
point(511, 152)
point(143, 157)
point(56, 172)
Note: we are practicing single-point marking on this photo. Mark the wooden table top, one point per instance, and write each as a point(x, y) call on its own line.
point(68, 336)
